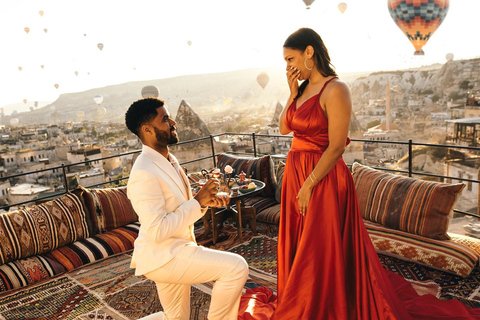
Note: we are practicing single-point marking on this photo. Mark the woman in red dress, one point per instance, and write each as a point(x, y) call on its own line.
point(327, 265)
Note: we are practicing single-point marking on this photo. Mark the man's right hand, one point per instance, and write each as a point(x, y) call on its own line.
point(207, 196)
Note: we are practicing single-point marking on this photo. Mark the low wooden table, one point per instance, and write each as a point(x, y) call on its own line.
point(215, 217)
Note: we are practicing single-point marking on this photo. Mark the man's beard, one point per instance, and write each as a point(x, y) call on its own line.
point(164, 138)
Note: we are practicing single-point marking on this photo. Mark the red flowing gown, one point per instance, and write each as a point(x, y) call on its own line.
point(327, 265)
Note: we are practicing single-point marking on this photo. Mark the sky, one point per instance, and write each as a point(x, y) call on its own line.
point(156, 39)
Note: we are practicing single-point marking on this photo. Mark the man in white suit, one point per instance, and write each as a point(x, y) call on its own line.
point(165, 250)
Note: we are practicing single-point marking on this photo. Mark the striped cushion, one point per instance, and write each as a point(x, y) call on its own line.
point(458, 255)
point(270, 214)
point(278, 188)
point(41, 228)
point(95, 248)
point(108, 208)
point(260, 203)
point(412, 205)
point(259, 168)
point(24, 272)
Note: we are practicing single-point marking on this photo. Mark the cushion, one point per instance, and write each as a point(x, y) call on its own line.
point(260, 168)
point(259, 203)
point(108, 208)
point(41, 228)
point(194, 177)
point(270, 214)
point(416, 206)
point(95, 248)
point(457, 256)
point(279, 176)
point(23, 272)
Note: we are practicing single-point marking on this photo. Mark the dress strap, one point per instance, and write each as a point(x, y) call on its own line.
point(325, 84)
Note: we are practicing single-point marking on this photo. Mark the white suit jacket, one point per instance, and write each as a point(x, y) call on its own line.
point(165, 207)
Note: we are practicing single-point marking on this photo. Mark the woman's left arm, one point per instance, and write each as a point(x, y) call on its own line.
point(338, 105)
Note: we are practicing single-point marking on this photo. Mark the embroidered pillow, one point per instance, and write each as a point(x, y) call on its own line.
point(259, 168)
point(411, 205)
point(108, 208)
point(41, 228)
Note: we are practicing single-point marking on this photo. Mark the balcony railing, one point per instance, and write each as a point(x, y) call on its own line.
point(65, 168)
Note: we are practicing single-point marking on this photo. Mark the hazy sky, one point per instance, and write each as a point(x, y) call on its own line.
point(148, 39)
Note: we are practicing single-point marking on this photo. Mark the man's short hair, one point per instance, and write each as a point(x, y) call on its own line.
point(142, 112)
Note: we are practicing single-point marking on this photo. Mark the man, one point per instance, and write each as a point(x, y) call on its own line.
point(165, 250)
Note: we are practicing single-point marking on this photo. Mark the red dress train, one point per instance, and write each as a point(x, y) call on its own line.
point(327, 265)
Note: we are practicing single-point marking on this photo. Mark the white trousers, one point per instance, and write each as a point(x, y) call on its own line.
point(197, 264)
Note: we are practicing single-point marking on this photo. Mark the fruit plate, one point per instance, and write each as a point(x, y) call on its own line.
point(247, 190)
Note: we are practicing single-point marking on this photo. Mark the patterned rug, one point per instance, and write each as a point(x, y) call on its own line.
point(109, 289)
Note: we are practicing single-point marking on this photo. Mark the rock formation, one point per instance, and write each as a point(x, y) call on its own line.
point(189, 124)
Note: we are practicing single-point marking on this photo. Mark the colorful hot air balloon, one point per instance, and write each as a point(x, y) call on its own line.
point(98, 99)
point(45, 30)
point(41, 13)
point(308, 3)
point(27, 29)
point(150, 91)
point(42, 66)
point(262, 79)
point(189, 43)
point(56, 85)
point(25, 101)
point(20, 68)
point(418, 19)
point(76, 73)
point(342, 7)
point(449, 56)
point(100, 46)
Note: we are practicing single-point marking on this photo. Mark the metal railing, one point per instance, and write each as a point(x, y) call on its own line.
point(65, 168)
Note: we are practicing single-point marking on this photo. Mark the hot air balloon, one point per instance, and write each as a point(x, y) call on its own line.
point(262, 79)
point(45, 30)
point(150, 91)
point(98, 99)
point(101, 111)
point(100, 46)
point(227, 101)
point(20, 68)
point(42, 66)
point(25, 101)
point(56, 85)
point(342, 7)
point(41, 13)
point(27, 29)
point(80, 114)
point(84, 34)
point(308, 3)
point(449, 56)
point(35, 104)
point(418, 19)
point(14, 121)
point(76, 73)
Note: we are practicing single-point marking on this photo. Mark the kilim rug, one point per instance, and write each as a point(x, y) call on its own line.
point(109, 289)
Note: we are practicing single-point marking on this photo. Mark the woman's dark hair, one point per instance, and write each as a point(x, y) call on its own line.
point(141, 112)
point(300, 40)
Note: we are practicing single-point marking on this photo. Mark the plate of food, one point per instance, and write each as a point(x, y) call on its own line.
point(248, 188)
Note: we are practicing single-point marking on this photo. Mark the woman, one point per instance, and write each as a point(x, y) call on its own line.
point(327, 266)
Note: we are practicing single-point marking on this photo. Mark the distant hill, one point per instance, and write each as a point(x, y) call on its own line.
point(207, 94)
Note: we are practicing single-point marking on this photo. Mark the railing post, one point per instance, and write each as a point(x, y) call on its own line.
point(65, 181)
point(254, 145)
point(410, 157)
point(213, 152)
